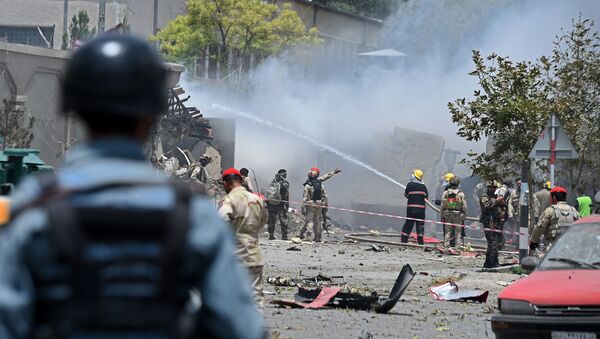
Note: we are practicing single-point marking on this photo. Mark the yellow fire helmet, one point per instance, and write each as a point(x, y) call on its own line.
point(548, 185)
point(418, 174)
point(448, 176)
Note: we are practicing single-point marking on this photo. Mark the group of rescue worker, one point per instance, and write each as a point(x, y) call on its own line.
point(499, 205)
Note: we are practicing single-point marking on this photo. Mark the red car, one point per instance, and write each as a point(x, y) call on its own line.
point(560, 299)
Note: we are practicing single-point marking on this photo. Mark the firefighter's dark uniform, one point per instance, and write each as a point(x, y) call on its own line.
point(416, 193)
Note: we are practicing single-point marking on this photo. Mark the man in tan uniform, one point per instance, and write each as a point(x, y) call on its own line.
point(541, 201)
point(246, 214)
point(555, 220)
point(454, 211)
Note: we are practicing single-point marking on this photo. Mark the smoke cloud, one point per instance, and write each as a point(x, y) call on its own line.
point(347, 111)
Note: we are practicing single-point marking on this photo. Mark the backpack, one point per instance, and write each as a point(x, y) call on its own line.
point(453, 201)
point(274, 193)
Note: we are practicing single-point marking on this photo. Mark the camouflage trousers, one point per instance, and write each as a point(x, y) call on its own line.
point(256, 277)
point(495, 241)
point(314, 222)
point(453, 217)
point(277, 212)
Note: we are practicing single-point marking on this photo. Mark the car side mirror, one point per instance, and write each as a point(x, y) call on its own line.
point(529, 263)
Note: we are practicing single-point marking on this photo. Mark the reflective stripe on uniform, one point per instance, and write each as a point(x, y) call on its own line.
point(415, 205)
point(417, 192)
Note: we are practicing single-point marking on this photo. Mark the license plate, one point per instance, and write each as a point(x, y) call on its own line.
point(573, 335)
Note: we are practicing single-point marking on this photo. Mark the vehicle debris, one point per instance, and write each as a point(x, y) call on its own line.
point(376, 248)
point(450, 292)
point(334, 297)
point(294, 248)
point(312, 282)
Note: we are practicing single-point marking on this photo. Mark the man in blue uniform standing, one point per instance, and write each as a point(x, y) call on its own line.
point(108, 247)
point(416, 193)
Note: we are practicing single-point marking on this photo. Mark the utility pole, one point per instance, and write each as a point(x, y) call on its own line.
point(524, 204)
point(155, 22)
point(65, 17)
point(101, 16)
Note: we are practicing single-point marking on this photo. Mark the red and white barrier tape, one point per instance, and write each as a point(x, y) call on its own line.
point(400, 217)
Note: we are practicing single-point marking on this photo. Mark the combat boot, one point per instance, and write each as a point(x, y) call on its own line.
point(420, 240)
point(284, 235)
point(271, 236)
point(404, 239)
point(486, 264)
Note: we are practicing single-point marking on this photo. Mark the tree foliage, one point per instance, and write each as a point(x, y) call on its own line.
point(380, 9)
point(15, 128)
point(79, 29)
point(240, 25)
point(514, 100)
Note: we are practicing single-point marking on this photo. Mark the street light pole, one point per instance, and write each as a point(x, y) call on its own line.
point(65, 16)
point(101, 16)
point(155, 22)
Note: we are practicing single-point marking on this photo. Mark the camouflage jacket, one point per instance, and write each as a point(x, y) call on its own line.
point(492, 213)
point(460, 198)
point(308, 193)
point(246, 214)
point(553, 222)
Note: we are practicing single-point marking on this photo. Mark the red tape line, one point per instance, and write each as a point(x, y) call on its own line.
point(398, 217)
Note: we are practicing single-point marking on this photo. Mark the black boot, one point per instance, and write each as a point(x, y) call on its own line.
point(486, 264)
point(495, 263)
point(271, 236)
point(420, 240)
point(404, 239)
point(284, 235)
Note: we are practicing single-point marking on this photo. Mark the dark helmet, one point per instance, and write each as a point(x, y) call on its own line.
point(455, 181)
point(115, 74)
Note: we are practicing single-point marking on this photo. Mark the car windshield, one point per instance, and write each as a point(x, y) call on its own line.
point(578, 248)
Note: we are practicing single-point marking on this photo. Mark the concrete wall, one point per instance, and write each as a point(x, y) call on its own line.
point(32, 76)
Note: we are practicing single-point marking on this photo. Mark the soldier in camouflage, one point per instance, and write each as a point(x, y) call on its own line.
point(315, 202)
point(246, 214)
point(555, 220)
point(453, 211)
point(492, 218)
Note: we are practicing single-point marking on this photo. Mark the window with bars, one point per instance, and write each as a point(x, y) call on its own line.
point(28, 35)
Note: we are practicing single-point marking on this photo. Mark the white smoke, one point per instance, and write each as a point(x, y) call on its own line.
point(437, 35)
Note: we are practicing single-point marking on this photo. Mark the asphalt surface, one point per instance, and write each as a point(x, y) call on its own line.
point(417, 314)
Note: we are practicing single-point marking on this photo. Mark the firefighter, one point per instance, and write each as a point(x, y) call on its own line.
point(107, 247)
point(416, 193)
point(453, 211)
point(554, 221)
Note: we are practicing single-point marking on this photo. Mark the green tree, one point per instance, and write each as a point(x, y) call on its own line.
point(514, 101)
point(79, 28)
point(511, 107)
point(380, 9)
point(574, 80)
point(243, 26)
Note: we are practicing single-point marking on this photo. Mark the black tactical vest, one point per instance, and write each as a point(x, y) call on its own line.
point(121, 269)
point(317, 186)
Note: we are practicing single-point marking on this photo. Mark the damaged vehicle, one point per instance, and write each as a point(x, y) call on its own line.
point(560, 299)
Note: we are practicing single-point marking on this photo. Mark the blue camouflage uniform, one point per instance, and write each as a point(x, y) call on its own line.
point(227, 307)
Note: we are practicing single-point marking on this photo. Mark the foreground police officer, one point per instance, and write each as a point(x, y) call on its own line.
point(109, 248)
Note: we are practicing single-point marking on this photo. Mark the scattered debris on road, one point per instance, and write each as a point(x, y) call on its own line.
point(334, 297)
